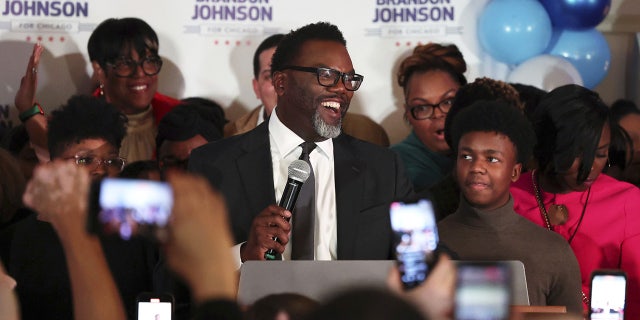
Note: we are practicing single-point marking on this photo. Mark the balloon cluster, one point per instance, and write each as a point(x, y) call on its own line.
point(548, 43)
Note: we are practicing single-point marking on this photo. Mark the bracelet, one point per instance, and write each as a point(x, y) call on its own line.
point(27, 114)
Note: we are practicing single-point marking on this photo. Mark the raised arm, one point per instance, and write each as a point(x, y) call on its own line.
point(25, 101)
point(199, 238)
point(58, 193)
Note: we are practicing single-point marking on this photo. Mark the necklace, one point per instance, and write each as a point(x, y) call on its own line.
point(547, 222)
point(560, 212)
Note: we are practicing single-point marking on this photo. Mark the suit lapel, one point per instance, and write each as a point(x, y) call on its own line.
point(255, 169)
point(348, 195)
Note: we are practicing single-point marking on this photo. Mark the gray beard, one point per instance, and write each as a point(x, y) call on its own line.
point(324, 129)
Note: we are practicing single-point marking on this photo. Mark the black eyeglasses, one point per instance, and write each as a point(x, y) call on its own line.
point(426, 111)
point(92, 162)
point(125, 68)
point(329, 77)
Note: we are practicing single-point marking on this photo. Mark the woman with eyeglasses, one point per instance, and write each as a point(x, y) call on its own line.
point(126, 64)
point(430, 78)
point(599, 216)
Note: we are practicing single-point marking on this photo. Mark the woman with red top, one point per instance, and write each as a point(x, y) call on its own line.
point(599, 216)
point(126, 64)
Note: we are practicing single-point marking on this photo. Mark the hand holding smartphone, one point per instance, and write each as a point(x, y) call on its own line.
point(416, 236)
point(608, 294)
point(155, 306)
point(483, 291)
point(129, 207)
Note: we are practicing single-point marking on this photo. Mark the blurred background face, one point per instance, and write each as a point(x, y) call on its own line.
point(263, 87)
point(567, 180)
point(175, 154)
point(631, 124)
point(131, 94)
point(431, 87)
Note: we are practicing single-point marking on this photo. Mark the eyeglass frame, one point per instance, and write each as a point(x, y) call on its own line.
point(138, 63)
point(438, 105)
point(99, 160)
point(316, 70)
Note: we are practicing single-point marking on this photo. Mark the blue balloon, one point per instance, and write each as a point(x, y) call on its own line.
point(587, 50)
point(576, 14)
point(513, 31)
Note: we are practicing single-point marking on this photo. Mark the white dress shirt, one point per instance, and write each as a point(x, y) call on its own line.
point(285, 148)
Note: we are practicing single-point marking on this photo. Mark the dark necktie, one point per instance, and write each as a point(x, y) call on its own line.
point(304, 213)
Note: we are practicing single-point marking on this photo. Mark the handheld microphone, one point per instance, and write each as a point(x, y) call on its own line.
point(299, 171)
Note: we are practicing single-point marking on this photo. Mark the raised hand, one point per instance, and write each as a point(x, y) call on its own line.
point(58, 192)
point(198, 239)
point(26, 95)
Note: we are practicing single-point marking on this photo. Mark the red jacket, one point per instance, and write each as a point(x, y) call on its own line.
point(160, 103)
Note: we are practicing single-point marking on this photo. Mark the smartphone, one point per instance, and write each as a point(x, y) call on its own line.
point(129, 207)
point(416, 237)
point(155, 306)
point(608, 294)
point(483, 291)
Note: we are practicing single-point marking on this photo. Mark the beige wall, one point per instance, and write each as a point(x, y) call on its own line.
point(622, 31)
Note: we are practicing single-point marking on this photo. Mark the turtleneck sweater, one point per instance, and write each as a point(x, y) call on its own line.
point(140, 141)
point(551, 268)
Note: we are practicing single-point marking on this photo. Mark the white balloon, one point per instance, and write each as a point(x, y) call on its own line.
point(545, 72)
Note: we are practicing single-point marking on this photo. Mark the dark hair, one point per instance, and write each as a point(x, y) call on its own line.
point(621, 107)
point(433, 56)
point(141, 169)
point(192, 117)
point(480, 89)
point(290, 44)
point(295, 305)
point(568, 123)
point(84, 117)
point(366, 303)
point(12, 186)
point(530, 97)
point(266, 44)
point(499, 117)
point(16, 139)
point(114, 38)
point(209, 109)
point(620, 147)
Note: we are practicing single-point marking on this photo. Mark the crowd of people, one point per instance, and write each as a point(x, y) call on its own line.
point(514, 173)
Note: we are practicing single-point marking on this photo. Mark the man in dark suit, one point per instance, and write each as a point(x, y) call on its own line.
point(355, 181)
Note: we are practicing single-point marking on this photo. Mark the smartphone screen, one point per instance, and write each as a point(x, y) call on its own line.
point(608, 289)
point(416, 236)
point(128, 207)
point(155, 306)
point(483, 291)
